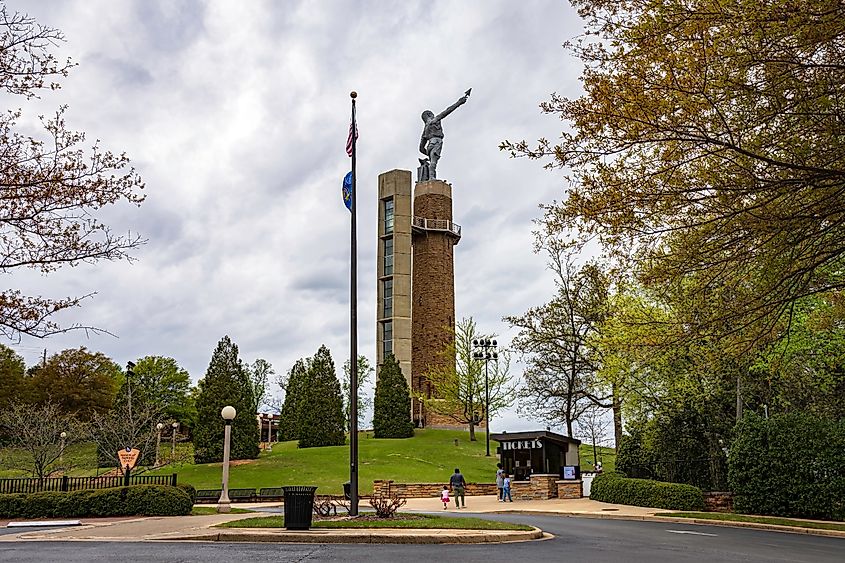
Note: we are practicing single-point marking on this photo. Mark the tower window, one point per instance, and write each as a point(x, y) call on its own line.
point(388, 256)
point(388, 216)
point(387, 337)
point(388, 298)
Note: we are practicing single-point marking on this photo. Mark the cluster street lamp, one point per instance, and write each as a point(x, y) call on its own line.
point(159, 426)
point(228, 413)
point(485, 350)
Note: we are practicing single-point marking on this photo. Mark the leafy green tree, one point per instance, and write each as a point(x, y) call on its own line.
point(392, 402)
point(13, 388)
point(804, 370)
point(320, 406)
point(162, 386)
point(79, 382)
point(365, 371)
point(226, 382)
point(708, 150)
point(458, 383)
point(290, 423)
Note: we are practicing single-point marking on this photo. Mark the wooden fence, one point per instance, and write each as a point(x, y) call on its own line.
point(66, 483)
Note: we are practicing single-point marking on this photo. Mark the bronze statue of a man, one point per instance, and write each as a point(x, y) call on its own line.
point(431, 142)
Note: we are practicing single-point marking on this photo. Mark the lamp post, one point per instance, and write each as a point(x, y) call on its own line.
point(159, 426)
point(174, 426)
point(486, 350)
point(63, 435)
point(228, 413)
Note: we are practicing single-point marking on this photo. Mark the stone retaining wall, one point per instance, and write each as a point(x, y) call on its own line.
point(719, 502)
point(423, 490)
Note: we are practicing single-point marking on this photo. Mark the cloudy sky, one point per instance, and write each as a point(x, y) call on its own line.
point(236, 116)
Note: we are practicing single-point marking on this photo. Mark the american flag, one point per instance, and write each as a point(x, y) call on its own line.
point(350, 142)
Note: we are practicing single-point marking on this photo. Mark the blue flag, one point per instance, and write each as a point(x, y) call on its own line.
point(347, 191)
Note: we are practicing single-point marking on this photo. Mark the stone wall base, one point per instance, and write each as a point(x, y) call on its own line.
point(719, 502)
point(425, 490)
point(570, 489)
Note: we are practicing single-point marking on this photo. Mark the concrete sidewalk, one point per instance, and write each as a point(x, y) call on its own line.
point(569, 507)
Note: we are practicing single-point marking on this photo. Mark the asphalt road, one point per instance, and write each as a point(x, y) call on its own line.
point(576, 539)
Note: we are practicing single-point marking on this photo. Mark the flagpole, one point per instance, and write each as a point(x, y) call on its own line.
point(353, 348)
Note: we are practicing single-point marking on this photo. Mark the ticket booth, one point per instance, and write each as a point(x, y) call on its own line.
point(523, 454)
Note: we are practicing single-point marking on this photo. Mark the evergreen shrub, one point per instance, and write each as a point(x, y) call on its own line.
point(190, 489)
point(320, 405)
point(392, 402)
point(226, 382)
point(789, 465)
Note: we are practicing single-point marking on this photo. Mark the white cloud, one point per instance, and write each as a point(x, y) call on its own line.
point(236, 114)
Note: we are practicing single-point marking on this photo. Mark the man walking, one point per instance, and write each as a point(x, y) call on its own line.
point(458, 484)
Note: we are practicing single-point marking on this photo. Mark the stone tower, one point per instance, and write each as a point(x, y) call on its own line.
point(416, 279)
point(433, 295)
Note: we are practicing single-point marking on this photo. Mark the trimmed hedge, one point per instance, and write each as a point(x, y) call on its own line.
point(615, 488)
point(190, 489)
point(138, 500)
point(789, 465)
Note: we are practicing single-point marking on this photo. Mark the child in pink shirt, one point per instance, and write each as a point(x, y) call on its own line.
point(444, 496)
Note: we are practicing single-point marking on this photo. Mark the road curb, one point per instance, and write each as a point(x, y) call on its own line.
point(698, 521)
point(368, 536)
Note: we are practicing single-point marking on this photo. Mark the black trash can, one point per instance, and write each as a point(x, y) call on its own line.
point(299, 506)
point(347, 490)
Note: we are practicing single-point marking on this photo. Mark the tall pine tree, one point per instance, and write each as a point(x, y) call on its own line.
point(226, 383)
point(392, 405)
point(290, 423)
point(320, 411)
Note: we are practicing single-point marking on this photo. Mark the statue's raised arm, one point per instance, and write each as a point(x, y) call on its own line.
point(431, 142)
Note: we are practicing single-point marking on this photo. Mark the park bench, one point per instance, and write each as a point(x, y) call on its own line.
point(271, 493)
point(208, 495)
point(241, 495)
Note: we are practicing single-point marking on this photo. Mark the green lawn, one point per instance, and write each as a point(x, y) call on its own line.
point(82, 457)
point(756, 519)
point(429, 457)
point(607, 457)
point(426, 521)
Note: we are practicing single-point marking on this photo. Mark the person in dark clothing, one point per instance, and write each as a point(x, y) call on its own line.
point(458, 484)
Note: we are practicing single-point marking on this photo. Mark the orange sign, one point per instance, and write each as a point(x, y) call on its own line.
point(128, 456)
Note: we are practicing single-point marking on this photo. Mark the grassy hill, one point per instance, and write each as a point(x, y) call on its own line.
point(429, 457)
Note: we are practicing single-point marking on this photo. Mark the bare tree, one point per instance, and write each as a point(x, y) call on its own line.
point(560, 381)
point(123, 428)
point(51, 186)
point(365, 372)
point(593, 426)
point(36, 432)
point(260, 373)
